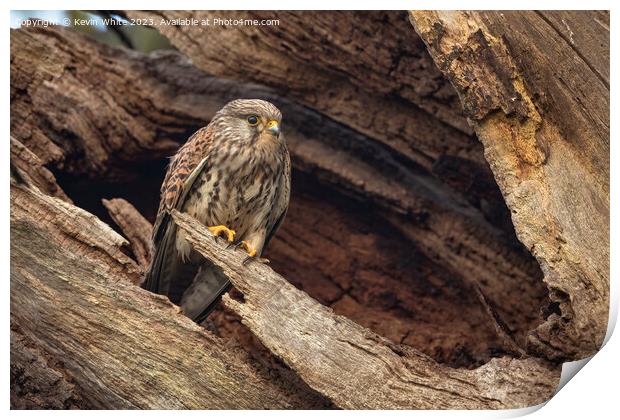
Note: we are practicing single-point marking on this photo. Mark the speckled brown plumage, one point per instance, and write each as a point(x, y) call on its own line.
point(232, 175)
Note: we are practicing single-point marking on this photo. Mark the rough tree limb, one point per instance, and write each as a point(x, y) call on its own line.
point(539, 101)
point(100, 340)
point(31, 166)
point(134, 226)
point(353, 366)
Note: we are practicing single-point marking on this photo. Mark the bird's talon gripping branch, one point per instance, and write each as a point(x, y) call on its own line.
point(252, 253)
point(249, 248)
point(219, 229)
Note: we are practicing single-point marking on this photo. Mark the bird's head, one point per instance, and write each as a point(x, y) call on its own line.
point(250, 121)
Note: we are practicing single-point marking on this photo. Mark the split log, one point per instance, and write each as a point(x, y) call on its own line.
point(84, 335)
point(32, 167)
point(354, 367)
point(134, 226)
point(538, 98)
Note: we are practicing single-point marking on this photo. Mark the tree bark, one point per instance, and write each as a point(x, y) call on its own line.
point(105, 342)
point(539, 101)
point(134, 226)
point(354, 367)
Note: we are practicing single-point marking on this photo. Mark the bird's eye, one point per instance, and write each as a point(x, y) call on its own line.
point(253, 119)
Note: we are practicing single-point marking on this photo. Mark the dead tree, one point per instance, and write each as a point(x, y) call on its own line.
point(397, 280)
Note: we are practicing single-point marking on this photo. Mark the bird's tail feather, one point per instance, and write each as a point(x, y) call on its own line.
point(203, 294)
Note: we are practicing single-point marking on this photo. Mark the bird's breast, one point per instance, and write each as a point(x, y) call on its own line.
point(237, 192)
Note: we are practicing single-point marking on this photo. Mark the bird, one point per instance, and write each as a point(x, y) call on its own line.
point(233, 176)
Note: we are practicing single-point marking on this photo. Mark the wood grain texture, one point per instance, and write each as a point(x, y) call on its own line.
point(28, 164)
point(117, 345)
point(327, 59)
point(134, 226)
point(353, 366)
point(540, 105)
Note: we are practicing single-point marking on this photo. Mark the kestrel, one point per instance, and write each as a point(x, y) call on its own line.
point(234, 176)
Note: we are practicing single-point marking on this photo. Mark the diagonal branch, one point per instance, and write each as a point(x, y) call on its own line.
point(135, 227)
point(350, 364)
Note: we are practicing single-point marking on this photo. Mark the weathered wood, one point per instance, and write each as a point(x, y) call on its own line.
point(537, 94)
point(91, 113)
point(115, 345)
point(135, 227)
point(353, 366)
point(31, 166)
point(391, 245)
point(335, 62)
point(37, 382)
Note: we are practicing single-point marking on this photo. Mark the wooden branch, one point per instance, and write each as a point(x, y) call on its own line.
point(81, 107)
point(539, 103)
point(35, 382)
point(136, 228)
point(105, 343)
point(29, 164)
point(353, 366)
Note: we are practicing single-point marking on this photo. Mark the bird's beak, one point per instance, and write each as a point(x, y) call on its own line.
point(273, 127)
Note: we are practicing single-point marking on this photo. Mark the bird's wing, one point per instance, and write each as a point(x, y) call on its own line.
point(184, 168)
point(280, 205)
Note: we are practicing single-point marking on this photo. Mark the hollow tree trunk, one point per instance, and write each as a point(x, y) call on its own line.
point(539, 102)
point(395, 221)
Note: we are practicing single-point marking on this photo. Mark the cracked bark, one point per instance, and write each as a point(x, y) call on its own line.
point(69, 283)
point(539, 101)
point(354, 367)
point(134, 226)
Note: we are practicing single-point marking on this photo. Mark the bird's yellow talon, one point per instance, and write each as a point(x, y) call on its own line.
point(219, 229)
point(249, 249)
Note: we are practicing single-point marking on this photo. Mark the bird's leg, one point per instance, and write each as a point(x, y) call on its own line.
point(253, 245)
point(252, 253)
point(248, 248)
point(221, 229)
